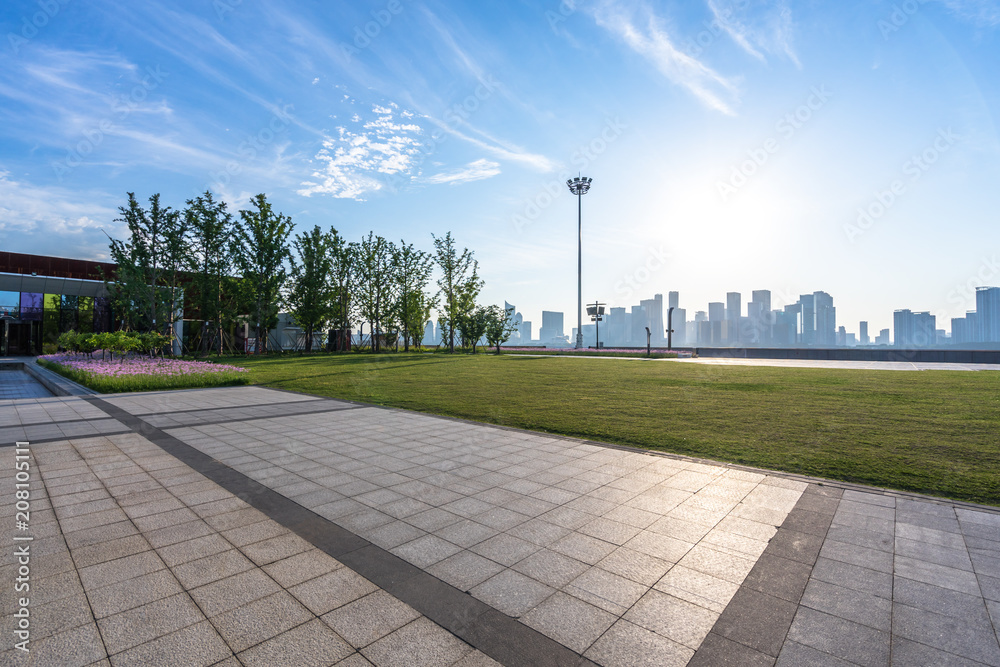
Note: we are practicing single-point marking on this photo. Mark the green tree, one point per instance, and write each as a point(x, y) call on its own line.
point(211, 261)
point(156, 241)
point(411, 270)
point(311, 299)
point(260, 248)
point(472, 326)
point(375, 288)
point(459, 284)
point(343, 279)
point(500, 325)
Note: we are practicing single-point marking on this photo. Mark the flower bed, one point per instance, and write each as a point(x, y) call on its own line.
point(655, 353)
point(142, 373)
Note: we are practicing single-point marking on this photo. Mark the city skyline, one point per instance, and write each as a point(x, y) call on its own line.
point(848, 148)
point(809, 322)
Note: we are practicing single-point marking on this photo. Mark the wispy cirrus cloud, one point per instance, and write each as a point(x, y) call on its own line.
point(474, 171)
point(357, 160)
point(65, 219)
point(643, 32)
point(984, 13)
point(764, 28)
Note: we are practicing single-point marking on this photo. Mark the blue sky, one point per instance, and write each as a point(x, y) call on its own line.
point(735, 145)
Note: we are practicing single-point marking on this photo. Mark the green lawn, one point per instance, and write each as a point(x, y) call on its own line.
point(935, 432)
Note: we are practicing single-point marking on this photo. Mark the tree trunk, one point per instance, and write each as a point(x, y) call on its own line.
point(309, 339)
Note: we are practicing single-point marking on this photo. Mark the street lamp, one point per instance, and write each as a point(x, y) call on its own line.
point(596, 312)
point(579, 186)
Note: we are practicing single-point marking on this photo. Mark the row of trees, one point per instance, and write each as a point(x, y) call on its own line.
point(227, 266)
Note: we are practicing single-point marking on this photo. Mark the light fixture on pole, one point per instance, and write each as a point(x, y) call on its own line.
point(579, 186)
point(596, 312)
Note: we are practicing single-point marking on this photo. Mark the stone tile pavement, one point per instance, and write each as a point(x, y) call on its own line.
point(243, 525)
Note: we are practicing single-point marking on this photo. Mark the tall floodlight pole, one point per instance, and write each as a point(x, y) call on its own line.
point(579, 187)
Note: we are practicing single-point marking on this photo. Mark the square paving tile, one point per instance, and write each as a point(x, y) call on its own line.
point(418, 644)
point(570, 621)
point(260, 620)
point(312, 643)
point(512, 593)
point(370, 618)
point(332, 590)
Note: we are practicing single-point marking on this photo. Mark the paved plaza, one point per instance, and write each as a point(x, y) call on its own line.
point(250, 526)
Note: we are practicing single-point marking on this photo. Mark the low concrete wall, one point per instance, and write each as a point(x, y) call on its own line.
point(55, 383)
point(855, 354)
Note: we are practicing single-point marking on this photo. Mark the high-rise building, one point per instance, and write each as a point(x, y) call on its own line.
point(882, 338)
point(760, 319)
point(734, 305)
point(617, 328)
point(826, 319)
point(638, 326)
point(654, 318)
point(525, 332)
point(673, 299)
point(863, 333)
point(911, 330)
point(552, 327)
point(429, 337)
point(959, 335)
point(808, 319)
point(988, 314)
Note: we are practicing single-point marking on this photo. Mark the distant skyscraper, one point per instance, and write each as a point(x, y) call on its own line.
point(515, 338)
point(808, 317)
point(552, 327)
point(429, 337)
point(638, 316)
point(654, 318)
point(826, 319)
point(525, 331)
point(617, 332)
point(734, 306)
point(912, 330)
point(863, 333)
point(673, 299)
point(988, 314)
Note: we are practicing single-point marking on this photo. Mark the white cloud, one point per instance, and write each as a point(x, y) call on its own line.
point(474, 171)
point(356, 162)
point(53, 218)
point(984, 13)
point(648, 38)
point(767, 28)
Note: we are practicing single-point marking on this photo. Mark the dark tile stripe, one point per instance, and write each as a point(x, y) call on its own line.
point(499, 636)
point(752, 628)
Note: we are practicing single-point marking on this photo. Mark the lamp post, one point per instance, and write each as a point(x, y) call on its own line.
point(579, 186)
point(596, 312)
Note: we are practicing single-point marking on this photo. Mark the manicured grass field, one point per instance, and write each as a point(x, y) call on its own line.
point(935, 432)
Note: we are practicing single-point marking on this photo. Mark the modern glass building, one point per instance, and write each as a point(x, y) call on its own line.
point(41, 297)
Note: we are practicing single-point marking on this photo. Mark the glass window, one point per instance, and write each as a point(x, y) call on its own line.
point(31, 306)
point(10, 303)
